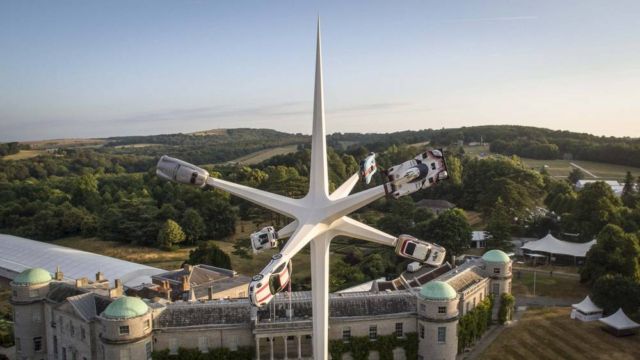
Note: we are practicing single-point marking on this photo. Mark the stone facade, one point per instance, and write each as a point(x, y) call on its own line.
point(63, 321)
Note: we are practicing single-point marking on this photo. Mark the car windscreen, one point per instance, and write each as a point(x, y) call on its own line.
point(411, 247)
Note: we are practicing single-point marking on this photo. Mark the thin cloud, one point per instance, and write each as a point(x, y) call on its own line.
point(492, 19)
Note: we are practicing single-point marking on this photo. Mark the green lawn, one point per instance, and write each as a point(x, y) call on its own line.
point(556, 286)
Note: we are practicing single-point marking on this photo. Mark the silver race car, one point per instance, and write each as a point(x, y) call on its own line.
point(267, 238)
point(409, 247)
point(421, 172)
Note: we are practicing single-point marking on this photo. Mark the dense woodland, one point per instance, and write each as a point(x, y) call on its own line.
point(112, 192)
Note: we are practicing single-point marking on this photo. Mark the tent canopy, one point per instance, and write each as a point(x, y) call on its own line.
point(552, 245)
point(620, 321)
point(586, 306)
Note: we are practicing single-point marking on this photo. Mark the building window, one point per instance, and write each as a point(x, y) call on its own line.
point(147, 324)
point(442, 334)
point(474, 303)
point(399, 330)
point(149, 349)
point(64, 353)
point(18, 344)
point(496, 270)
point(202, 344)
point(468, 306)
point(33, 293)
point(423, 307)
point(124, 354)
point(442, 309)
point(37, 343)
point(421, 331)
point(173, 346)
point(124, 330)
point(55, 346)
point(83, 334)
point(36, 317)
point(15, 293)
point(373, 332)
point(72, 330)
point(346, 334)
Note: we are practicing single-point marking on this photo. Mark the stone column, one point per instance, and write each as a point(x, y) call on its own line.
point(271, 347)
point(299, 348)
point(285, 346)
point(257, 348)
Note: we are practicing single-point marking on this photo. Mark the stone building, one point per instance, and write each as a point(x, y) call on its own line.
point(59, 319)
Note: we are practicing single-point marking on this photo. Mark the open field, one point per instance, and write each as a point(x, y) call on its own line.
point(24, 154)
point(555, 286)
point(139, 254)
point(549, 333)
point(562, 168)
point(55, 143)
point(262, 155)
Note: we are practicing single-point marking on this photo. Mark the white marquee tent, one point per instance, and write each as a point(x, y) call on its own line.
point(586, 310)
point(18, 254)
point(549, 244)
point(620, 324)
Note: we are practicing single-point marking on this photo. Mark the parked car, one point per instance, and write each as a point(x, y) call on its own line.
point(266, 238)
point(424, 252)
point(274, 278)
point(421, 172)
point(368, 167)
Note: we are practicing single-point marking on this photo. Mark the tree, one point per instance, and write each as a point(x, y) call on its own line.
point(451, 230)
point(499, 228)
point(575, 175)
point(374, 266)
point(612, 292)
point(209, 253)
point(628, 197)
point(596, 206)
point(193, 226)
point(170, 235)
point(615, 253)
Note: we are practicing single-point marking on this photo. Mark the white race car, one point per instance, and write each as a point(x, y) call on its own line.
point(409, 247)
point(273, 279)
point(421, 172)
point(267, 238)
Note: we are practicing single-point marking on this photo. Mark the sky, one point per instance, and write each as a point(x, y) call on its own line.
point(116, 68)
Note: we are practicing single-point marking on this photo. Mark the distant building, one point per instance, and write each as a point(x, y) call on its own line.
point(62, 319)
point(437, 206)
point(478, 239)
point(615, 186)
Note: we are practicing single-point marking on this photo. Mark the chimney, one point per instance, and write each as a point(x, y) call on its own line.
point(210, 293)
point(185, 286)
point(192, 295)
point(118, 290)
point(99, 276)
point(58, 276)
point(82, 282)
point(187, 267)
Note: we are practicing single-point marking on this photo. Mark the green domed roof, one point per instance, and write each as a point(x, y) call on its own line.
point(497, 256)
point(32, 276)
point(125, 307)
point(438, 290)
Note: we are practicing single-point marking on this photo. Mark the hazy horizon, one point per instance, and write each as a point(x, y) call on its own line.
point(78, 69)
